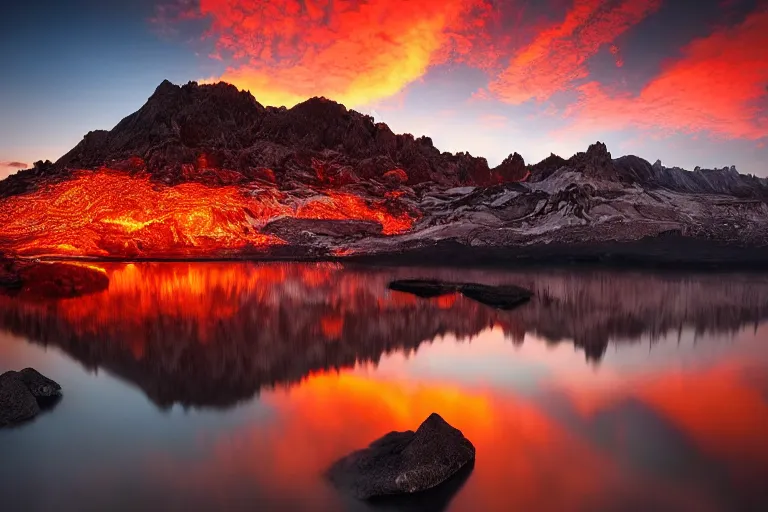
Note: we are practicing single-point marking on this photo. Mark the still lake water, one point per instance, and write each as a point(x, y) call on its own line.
point(232, 386)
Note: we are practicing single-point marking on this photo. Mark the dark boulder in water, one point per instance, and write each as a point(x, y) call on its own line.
point(404, 462)
point(50, 280)
point(500, 297)
point(38, 384)
point(424, 288)
point(16, 402)
point(22, 393)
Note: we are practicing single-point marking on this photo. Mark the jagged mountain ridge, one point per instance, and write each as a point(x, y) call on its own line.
point(219, 127)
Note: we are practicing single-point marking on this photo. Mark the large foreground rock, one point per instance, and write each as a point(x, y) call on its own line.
point(404, 462)
point(22, 393)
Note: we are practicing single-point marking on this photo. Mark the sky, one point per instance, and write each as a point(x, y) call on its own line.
point(683, 81)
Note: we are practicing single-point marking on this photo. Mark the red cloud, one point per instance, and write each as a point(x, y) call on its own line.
point(285, 51)
point(557, 56)
point(719, 85)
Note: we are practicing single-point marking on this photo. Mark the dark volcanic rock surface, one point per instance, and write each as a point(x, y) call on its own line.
point(17, 403)
point(404, 462)
point(293, 229)
point(22, 393)
point(501, 297)
point(38, 384)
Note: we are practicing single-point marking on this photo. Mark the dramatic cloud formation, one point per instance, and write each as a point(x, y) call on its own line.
point(718, 86)
point(364, 53)
point(557, 57)
point(14, 165)
point(285, 51)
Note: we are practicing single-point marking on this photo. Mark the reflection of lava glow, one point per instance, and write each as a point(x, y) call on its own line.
point(109, 213)
point(204, 294)
point(524, 451)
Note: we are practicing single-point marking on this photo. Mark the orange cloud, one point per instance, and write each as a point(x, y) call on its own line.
point(354, 52)
point(719, 86)
point(557, 57)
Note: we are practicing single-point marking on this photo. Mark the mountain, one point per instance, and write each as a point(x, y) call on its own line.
point(219, 127)
point(206, 171)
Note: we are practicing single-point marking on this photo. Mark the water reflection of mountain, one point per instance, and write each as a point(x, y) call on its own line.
point(212, 334)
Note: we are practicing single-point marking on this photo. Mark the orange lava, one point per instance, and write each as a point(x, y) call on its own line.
point(110, 213)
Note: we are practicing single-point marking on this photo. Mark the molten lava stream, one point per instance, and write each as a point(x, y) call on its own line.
point(109, 213)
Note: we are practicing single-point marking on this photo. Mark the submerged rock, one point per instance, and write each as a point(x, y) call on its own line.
point(425, 288)
point(21, 394)
point(404, 462)
point(500, 297)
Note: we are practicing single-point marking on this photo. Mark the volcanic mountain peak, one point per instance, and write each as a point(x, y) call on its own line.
point(207, 171)
point(230, 130)
point(221, 127)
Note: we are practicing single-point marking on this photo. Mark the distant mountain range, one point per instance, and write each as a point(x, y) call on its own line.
point(300, 171)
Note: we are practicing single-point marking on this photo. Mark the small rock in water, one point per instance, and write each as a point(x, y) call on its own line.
point(501, 297)
point(21, 394)
point(404, 462)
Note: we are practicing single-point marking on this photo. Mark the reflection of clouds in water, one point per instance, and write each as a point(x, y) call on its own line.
point(491, 359)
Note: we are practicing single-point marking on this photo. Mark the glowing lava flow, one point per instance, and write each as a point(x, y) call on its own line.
point(113, 214)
